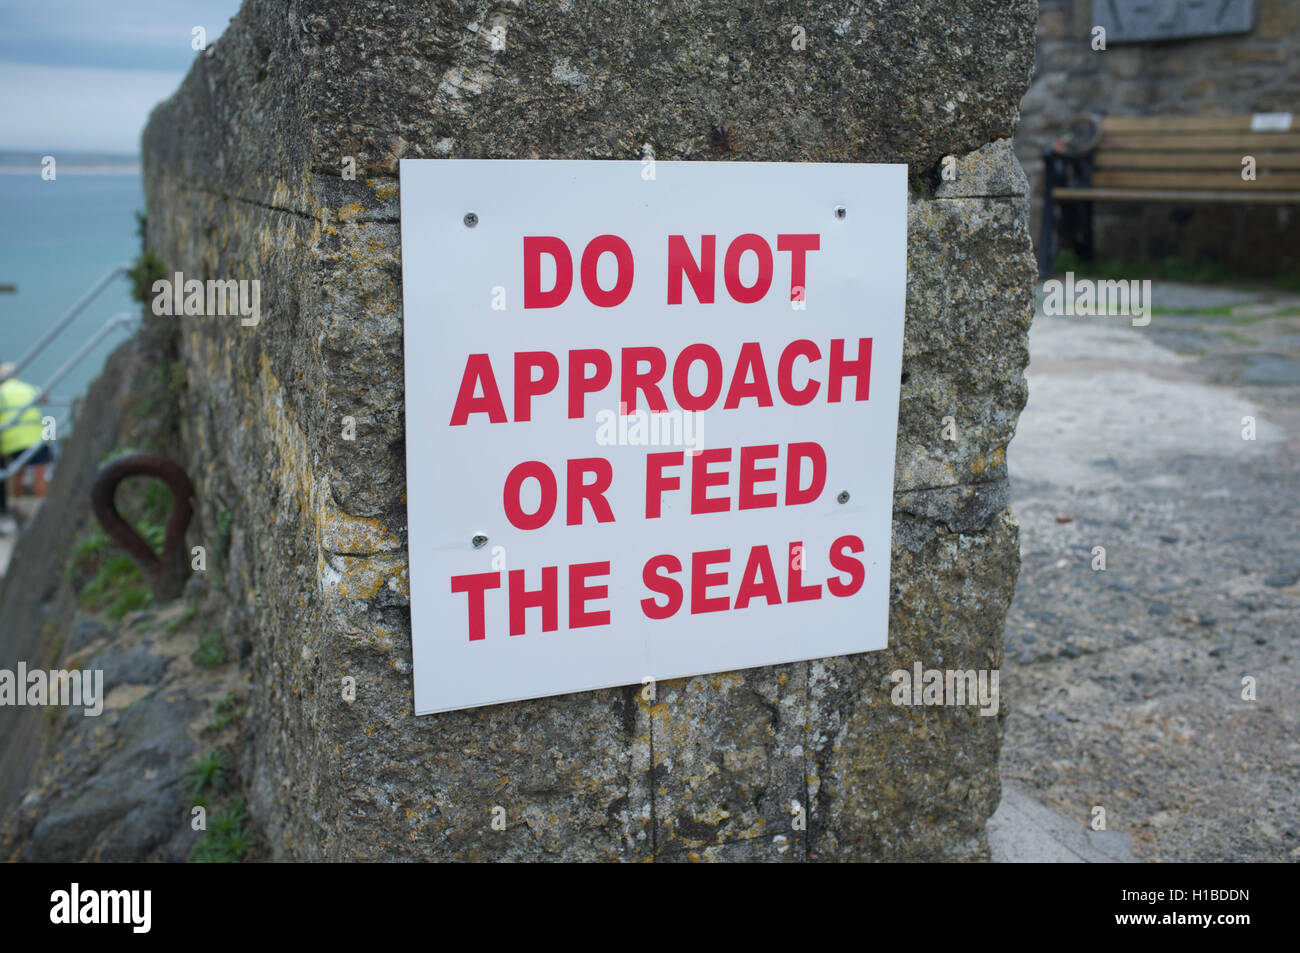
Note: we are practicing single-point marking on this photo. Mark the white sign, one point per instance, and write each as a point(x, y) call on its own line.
point(650, 418)
point(1270, 122)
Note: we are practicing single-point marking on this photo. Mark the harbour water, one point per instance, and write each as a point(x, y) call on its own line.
point(57, 238)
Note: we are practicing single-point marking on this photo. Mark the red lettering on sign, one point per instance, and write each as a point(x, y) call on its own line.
point(702, 579)
point(622, 283)
point(845, 563)
point(699, 275)
point(580, 385)
point(759, 565)
point(795, 590)
point(475, 584)
point(704, 475)
point(578, 490)
point(656, 582)
point(750, 475)
point(535, 246)
point(798, 452)
point(526, 387)
point(702, 479)
point(712, 380)
point(656, 482)
point(785, 371)
point(510, 495)
point(642, 370)
point(580, 593)
point(547, 599)
point(840, 369)
point(751, 359)
point(731, 268)
point(798, 246)
point(758, 580)
point(647, 383)
point(478, 370)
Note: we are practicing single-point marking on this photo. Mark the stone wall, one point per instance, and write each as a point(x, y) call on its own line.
point(37, 607)
point(242, 170)
point(1238, 74)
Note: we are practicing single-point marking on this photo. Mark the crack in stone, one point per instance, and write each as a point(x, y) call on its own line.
point(950, 486)
point(227, 197)
point(958, 198)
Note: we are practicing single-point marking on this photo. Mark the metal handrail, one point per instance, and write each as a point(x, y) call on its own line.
point(123, 318)
point(64, 321)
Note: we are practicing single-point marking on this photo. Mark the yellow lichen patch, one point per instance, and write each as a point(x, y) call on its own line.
point(350, 576)
point(996, 458)
point(361, 577)
point(350, 212)
point(726, 681)
point(401, 582)
point(297, 477)
point(281, 196)
point(714, 816)
point(341, 532)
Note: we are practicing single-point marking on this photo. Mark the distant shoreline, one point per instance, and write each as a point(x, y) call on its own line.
point(73, 170)
point(23, 162)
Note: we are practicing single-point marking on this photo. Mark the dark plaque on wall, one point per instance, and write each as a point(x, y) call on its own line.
point(1145, 21)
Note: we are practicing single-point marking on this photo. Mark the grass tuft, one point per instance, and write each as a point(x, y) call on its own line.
point(211, 651)
point(210, 772)
point(227, 839)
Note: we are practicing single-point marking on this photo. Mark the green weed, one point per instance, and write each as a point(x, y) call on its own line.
point(186, 614)
point(147, 269)
point(210, 773)
point(211, 651)
point(227, 710)
point(227, 839)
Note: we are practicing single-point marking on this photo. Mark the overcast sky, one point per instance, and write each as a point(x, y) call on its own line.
point(84, 74)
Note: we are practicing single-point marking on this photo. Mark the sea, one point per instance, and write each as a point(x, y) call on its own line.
point(58, 237)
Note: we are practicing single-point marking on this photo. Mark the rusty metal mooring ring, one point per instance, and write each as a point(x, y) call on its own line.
point(167, 574)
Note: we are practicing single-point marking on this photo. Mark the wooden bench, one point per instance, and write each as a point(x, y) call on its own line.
point(1187, 160)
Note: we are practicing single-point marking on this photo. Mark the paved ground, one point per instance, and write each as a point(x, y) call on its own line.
point(1125, 685)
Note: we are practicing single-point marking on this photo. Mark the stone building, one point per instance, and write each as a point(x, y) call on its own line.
point(1237, 73)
